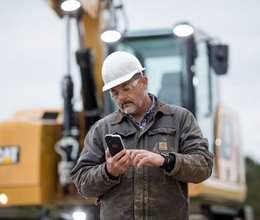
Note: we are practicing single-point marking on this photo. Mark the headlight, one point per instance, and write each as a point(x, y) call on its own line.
point(79, 215)
point(3, 199)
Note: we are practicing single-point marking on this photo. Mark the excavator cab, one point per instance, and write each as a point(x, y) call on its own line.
point(165, 60)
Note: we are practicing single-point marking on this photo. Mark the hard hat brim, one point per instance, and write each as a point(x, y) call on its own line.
point(120, 80)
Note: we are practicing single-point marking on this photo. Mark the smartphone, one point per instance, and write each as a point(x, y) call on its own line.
point(114, 143)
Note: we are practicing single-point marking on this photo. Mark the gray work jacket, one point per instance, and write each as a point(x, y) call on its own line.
point(146, 193)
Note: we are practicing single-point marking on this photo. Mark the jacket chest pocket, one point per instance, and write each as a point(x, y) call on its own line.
point(128, 137)
point(163, 140)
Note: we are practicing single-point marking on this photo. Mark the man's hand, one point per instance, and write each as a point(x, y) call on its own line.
point(119, 163)
point(146, 158)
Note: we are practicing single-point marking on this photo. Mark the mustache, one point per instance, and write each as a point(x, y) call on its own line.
point(125, 101)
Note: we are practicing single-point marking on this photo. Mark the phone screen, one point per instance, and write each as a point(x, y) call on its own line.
point(114, 143)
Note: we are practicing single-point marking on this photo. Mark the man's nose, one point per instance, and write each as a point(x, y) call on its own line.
point(121, 94)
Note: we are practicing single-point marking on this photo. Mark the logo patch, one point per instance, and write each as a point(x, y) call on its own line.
point(9, 154)
point(163, 146)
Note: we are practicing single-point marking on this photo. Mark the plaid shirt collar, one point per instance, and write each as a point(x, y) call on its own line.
point(148, 115)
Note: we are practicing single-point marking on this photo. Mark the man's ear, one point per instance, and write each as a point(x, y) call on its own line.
point(145, 82)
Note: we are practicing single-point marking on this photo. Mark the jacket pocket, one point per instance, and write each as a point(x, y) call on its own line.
point(125, 133)
point(183, 192)
point(163, 139)
point(128, 138)
point(157, 131)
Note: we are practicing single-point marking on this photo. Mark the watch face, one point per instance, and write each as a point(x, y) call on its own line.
point(165, 154)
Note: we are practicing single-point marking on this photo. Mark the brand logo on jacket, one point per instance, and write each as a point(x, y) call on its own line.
point(163, 146)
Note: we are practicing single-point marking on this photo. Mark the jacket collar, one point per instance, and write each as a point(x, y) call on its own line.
point(162, 107)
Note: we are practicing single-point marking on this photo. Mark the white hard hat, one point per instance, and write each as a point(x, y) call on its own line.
point(118, 68)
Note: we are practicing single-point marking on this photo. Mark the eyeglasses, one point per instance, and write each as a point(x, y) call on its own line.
point(127, 88)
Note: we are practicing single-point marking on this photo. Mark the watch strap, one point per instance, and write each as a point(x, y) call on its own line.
point(169, 161)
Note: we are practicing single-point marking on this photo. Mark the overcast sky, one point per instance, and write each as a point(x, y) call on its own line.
point(32, 53)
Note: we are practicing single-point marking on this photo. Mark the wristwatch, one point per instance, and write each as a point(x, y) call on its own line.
point(169, 161)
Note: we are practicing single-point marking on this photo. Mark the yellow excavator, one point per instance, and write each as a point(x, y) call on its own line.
point(39, 148)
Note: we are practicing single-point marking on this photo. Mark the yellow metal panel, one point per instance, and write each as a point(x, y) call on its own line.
point(194, 189)
point(22, 195)
point(27, 137)
point(218, 191)
point(33, 180)
point(49, 159)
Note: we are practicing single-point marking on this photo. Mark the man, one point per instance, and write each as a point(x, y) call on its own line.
point(164, 151)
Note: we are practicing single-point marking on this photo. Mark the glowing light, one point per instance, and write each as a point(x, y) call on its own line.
point(183, 30)
point(79, 215)
point(110, 36)
point(70, 5)
point(3, 199)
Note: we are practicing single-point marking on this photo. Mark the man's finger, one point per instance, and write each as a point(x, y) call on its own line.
point(108, 155)
point(119, 155)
